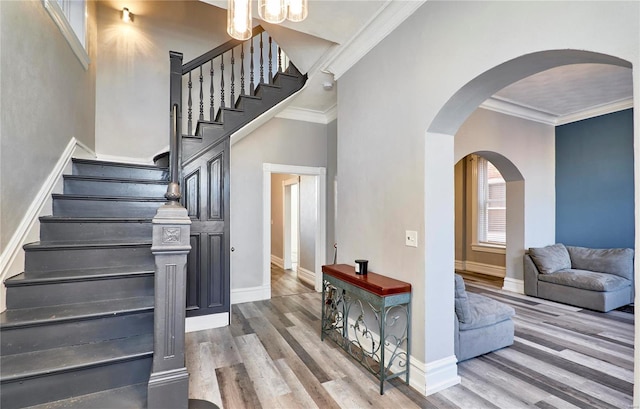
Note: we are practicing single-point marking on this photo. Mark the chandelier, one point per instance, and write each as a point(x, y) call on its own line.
point(272, 11)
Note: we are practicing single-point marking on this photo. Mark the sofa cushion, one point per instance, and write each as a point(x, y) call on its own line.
point(461, 301)
point(586, 280)
point(550, 259)
point(611, 261)
point(485, 311)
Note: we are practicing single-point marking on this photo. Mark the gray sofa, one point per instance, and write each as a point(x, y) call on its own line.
point(482, 324)
point(597, 279)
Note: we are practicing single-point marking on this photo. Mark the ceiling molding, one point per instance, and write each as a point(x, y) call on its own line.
point(381, 25)
point(524, 112)
point(309, 115)
point(604, 109)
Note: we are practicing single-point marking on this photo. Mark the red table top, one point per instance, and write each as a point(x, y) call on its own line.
point(372, 282)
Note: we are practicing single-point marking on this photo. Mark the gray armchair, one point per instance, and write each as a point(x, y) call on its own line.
point(482, 324)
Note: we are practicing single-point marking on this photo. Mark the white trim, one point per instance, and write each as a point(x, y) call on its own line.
point(514, 285)
point(251, 294)
point(277, 261)
point(30, 224)
point(321, 231)
point(482, 268)
point(441, 374)
point(489, 248)
point(604, 109)
point(459, 265)
point(126, 159)
point(390, 16)
point(193, 324)
point(513, 108)
point(303, 114)
point(306, 276)
point(58, 17)
point(241, 133)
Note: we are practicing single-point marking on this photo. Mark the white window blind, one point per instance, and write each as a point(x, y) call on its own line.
point(492, 204)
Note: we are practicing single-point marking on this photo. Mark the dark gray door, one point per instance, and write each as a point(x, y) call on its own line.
point(206, 197)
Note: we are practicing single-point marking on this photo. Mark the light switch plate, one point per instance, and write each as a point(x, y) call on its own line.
point(411, 238)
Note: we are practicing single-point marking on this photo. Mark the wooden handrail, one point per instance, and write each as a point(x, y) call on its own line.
point(210, 55)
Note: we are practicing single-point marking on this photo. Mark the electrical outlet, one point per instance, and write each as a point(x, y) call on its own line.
point(411, 238)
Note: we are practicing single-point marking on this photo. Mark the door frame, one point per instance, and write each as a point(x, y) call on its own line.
point(286, 220)
point(320, 174)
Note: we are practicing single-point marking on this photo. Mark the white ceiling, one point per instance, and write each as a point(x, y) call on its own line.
point(555, 96)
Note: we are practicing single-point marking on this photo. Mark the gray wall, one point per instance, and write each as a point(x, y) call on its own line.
point(133, 69)
point(308, 222)
point(277, 214)
point(394, 175)
point(279, 141)
point(46, 97)
point(332, 183)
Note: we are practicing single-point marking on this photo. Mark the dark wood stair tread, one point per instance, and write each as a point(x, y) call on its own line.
point(84, 244)
point(108, 198)
point(79, 275)
point(115, 179)
point(26, 317)
point(64, 359)
point(118, 164)
point(133, 396)
point(70, 219)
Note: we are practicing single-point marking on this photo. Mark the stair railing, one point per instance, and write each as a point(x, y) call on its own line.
point(213, 78)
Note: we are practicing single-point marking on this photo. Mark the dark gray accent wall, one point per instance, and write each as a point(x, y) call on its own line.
point(594, 182)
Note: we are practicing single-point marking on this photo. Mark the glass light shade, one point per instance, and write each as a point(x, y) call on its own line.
point(272, 11)
point(298, 10)
point(239, 19)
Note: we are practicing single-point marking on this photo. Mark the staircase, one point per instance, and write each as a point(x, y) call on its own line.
point(78, 331)
point(78, 328)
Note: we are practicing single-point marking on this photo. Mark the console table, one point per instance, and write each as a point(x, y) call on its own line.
point(360, 310)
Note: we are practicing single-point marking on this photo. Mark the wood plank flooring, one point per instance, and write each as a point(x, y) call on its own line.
point(285, 282)
point(271, 356)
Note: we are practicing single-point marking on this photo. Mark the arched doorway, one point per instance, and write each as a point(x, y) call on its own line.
point(440, 153)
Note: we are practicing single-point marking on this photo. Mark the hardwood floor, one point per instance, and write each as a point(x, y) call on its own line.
point(271, 356)
point(285, 282)
point(482, 279)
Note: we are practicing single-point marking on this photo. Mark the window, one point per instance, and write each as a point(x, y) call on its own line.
point(71, 18)
point(492, 205)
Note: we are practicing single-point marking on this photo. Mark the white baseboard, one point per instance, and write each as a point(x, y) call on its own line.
point(306, 276)
point(277, 261)
point(12, 257)
point(242, 295)
point(441, 374)
point(203, 322)
point(482, 268)
point(514, 285)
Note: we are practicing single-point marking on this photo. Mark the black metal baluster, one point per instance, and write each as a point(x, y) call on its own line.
point(201, 97)
point(279, 59)
point(252, 86)
point(261, 61)
point(270, 60)
point(211, 93)
point(222, 81)
point(242, 69)
point(233, 80)
point(189, 104)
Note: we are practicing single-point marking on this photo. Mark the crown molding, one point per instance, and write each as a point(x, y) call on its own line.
point(514, 109)
point(309, 115)
point(377, 28)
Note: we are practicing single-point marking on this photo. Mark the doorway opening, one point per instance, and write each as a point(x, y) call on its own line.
point(294, 228)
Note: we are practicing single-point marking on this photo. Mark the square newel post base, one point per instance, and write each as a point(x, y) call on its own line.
point(168, 389)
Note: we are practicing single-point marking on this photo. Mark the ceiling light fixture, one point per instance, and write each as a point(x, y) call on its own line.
point(272, 11)
point(127, 16)
point(239, 19)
